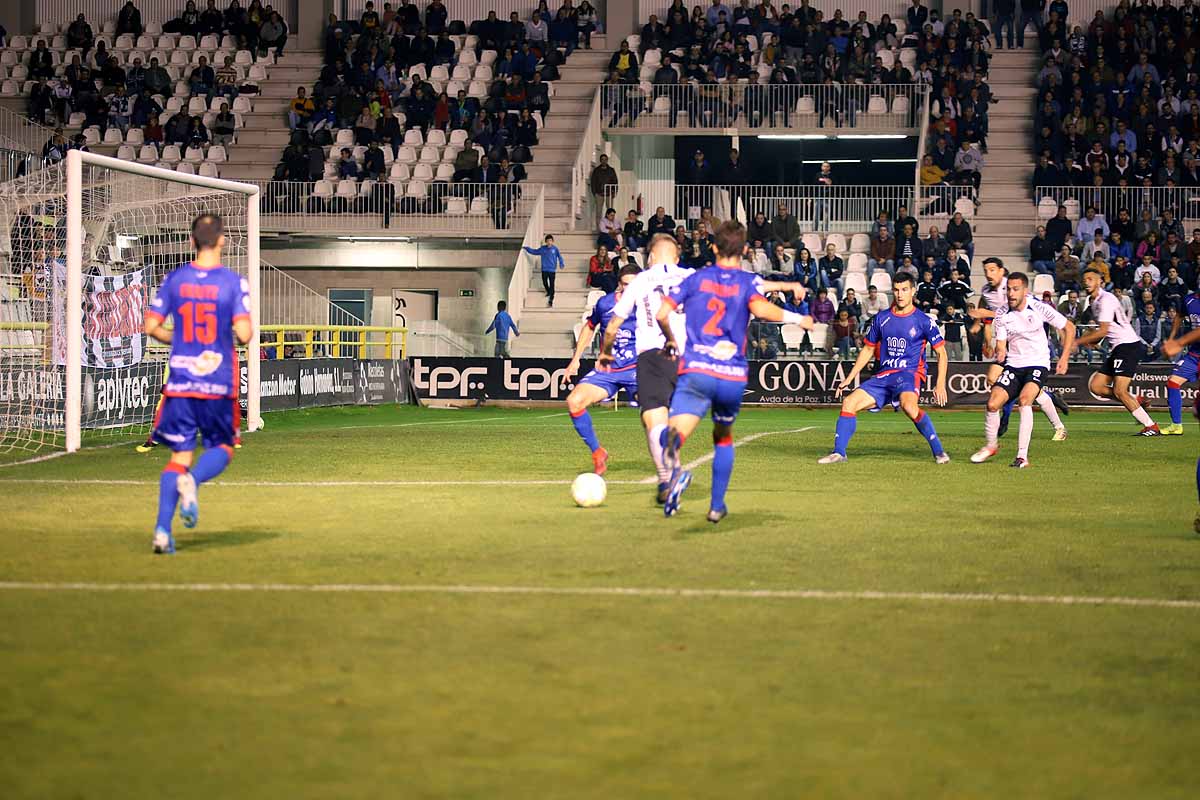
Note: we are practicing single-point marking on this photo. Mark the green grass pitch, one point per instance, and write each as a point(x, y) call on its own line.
point(343, 692)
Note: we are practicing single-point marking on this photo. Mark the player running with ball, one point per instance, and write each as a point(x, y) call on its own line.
point(209, 305)
point(995, 295)
point(1024, 349)
point(897, 339)
point(717, 303)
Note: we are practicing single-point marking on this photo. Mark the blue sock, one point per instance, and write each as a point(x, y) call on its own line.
point(846, 425)
point(1175, 403)
point(583, 426)
point(168, 496)
point(722, 471)
point(1198, 477)
point(925, 426)
point(211, 464)
point(1007, 412)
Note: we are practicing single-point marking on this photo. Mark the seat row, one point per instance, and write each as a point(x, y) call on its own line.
point(134, 136)
point(172, 154)
point(348, 190)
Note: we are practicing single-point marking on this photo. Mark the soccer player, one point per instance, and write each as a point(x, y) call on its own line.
point(210, 306)
point(1188, 367)
point(995, 295)
point(656, 374)
point(151, 442)
point(1024, 349)
point(717, 303)
point(897, 339)
point(1126, 351)
point(598, 386)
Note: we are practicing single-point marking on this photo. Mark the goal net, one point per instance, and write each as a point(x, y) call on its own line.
point(84, 246)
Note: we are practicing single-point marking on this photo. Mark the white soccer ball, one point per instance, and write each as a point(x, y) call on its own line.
point(589, 490)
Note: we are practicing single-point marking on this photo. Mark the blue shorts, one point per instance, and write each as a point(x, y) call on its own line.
point(886, 389)
point(183, 417)
point(1187, 367)
point(612, 381)
point(696, 392)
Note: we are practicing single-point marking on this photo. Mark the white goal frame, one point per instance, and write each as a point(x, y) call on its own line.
point(74, 312)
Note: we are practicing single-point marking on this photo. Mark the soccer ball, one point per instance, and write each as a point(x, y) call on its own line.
point(589, 490)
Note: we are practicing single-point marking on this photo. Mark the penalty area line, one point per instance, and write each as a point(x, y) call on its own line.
point(302, 484)
point(611, 591)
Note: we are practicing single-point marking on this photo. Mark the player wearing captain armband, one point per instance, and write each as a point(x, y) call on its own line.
point(209, 306)
point(717, 303)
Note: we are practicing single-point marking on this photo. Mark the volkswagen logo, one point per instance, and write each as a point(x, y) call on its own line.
point(970, 383)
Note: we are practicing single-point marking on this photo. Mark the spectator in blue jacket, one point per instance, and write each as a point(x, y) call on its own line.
point(552, 262)
point(502, 324)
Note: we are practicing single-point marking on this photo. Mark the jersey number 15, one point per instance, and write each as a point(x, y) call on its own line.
point(199, 321)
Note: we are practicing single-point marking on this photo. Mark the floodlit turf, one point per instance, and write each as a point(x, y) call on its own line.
point(303, 694)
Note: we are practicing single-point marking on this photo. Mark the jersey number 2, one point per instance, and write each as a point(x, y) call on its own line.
point(199, 322)
point(717, 306)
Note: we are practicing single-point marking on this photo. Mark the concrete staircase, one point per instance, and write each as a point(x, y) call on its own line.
point(549, 331)
point(1003, 224)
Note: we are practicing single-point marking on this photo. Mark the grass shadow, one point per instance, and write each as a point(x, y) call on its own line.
point(210, 540)
point(736, 522)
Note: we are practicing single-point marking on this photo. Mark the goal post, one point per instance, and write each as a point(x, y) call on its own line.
point(84, 246)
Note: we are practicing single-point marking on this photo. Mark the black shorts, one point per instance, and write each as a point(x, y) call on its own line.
point(656, 376)
point(1123, 360)
point(1013, 379)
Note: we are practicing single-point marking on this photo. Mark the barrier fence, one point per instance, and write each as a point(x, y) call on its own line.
point(844, 209)
point(1110, 200)
point(420, 207)
point(834, 108)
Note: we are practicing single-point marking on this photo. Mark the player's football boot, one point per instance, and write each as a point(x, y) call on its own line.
point(1149, 430)
point(832, 458)
point(1173, 430)
point(600, 461)
point(1019, 463)
point(147, 446)
point(662, 493)
point(1003, 429)
point(1060, 435)
point(681, 479)
point(983, 454)
point(942, 458)
point(715, 515)
point(189, 503)
point(164, 543)
point(1059, 403)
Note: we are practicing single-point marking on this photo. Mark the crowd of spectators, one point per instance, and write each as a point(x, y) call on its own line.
point(397, 83)
point(1117, 143)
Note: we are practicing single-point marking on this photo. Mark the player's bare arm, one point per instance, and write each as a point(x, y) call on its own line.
point(785, 286)
point(1173, 347)
point(865, 356)
point(1089, 339)
point(670, 349)
point(939, 392)
point(610, 337)
point(984, 314)
point(242, 329)
point(585, 340)
point(155, 330)
point(1001, 351)
point(770, 312)
point(1068, 343)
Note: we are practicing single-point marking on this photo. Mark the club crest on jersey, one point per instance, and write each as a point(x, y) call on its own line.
point(912, 332)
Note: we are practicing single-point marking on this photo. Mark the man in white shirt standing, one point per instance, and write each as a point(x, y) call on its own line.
point(1024, 349)
point(1126, 351)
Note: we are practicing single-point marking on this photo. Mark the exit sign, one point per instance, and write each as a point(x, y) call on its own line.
point(466, 292)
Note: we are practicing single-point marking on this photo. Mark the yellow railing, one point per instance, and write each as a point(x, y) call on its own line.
point(339, 338)
point(360, 338)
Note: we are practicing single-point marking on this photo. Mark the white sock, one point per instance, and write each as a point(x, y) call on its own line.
point(1047, 406)
point(653, 439)
point(991, 427)
point(1141, 416)
point(1025, 433)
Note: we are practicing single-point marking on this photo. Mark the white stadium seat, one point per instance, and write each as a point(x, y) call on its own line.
point(860, 243)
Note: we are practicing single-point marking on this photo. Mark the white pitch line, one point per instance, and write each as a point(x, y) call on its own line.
point(61, 453)
point(608, 591)
point(704, 459)
point(443, 422)
point(304, 484)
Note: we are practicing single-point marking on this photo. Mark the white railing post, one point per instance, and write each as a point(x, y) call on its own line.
point(592, 137)
point(922, 143)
